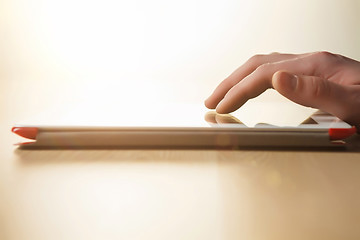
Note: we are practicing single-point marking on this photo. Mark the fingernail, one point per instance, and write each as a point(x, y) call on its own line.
point(292, 80)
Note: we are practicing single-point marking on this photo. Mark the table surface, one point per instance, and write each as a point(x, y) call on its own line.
point(170, 193)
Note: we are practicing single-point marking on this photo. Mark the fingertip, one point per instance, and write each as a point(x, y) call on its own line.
point(284, 82)
point(221, 108)
point(209, 104)
point(221, 111)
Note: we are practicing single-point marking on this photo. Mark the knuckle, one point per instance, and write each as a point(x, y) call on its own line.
point(274, 53)
point(320, 88)
point(256, 59)
point(264, 67)
point(324, 60)
point(325, 56)
point(260, 59)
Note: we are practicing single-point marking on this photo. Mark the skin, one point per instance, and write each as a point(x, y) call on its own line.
point(322, 80)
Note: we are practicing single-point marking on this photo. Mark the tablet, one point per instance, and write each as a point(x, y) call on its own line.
point(185, 126)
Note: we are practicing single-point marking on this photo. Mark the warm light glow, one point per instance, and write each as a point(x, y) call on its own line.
point(142, 52)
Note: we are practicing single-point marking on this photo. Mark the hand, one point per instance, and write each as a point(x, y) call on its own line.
point(321, 80)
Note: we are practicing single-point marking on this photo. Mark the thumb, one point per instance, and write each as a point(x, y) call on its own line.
point(312, 91)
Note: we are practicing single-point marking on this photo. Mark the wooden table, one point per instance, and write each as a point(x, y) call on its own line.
point(169, 193)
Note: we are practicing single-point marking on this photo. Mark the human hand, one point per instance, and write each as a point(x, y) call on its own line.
point(321, 80)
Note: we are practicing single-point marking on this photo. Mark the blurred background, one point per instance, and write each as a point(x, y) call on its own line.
point(57, 53)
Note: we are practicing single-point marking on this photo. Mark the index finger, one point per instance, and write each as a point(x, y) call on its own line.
point(244, 70)
point(261, 79)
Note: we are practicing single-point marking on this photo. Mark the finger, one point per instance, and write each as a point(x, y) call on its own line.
point(316, 92)
point(243, 71)
point(260, 80)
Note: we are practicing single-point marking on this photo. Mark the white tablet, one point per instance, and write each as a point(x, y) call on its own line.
point(184, 126)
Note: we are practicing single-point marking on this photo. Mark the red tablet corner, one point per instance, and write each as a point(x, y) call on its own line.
point(341, 133)
point(26, 132)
